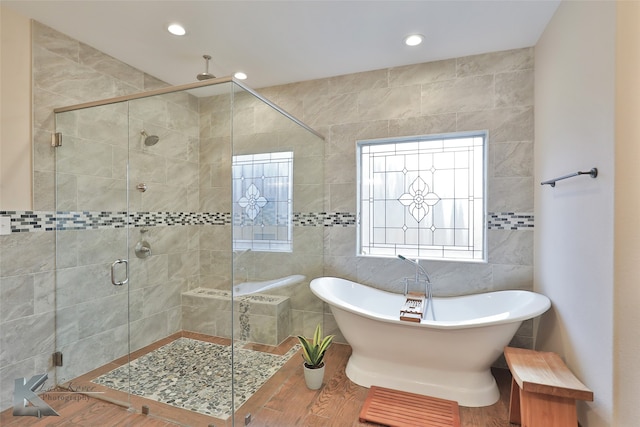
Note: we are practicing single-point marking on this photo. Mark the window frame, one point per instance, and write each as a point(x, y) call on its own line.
point(484, 134)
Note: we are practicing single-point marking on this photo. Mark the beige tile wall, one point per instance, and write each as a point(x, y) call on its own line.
point(492, 91)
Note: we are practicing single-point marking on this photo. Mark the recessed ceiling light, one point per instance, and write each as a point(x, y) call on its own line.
point(176, 30)
point(240, 75)
point(413, 39)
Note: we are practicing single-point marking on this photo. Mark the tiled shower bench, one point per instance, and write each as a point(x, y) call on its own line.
point(258, 318)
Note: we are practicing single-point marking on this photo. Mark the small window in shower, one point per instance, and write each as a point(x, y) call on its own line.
point(263, 201)
point(423, 197)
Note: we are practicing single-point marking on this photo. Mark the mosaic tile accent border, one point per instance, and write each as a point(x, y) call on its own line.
point(196, 375)
point(325, 219)
point(510, 221)
point(35, 221)
point(32, 221)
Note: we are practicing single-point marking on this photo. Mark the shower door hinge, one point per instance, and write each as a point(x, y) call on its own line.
point(56, 139)
point(57, 358)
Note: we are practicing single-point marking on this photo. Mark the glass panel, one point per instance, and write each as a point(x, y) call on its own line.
point(181, 307)
point(274, 263)
point(164, 251)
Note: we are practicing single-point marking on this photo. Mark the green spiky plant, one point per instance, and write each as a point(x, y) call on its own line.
point(313, 350)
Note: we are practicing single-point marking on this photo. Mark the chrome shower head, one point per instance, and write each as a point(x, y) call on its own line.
point(149, 140)
point(206, 75)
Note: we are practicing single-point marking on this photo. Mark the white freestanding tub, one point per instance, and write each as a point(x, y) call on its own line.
point(448, 358)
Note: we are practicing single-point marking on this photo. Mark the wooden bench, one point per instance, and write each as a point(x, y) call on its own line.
point(543, 390)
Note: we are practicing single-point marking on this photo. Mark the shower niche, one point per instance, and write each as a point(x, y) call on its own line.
point(165, 201)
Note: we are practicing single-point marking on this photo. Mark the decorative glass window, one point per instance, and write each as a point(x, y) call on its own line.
point(423, 197)
point(262, 201)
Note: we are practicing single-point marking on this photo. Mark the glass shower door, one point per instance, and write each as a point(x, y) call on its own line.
point(92, 272)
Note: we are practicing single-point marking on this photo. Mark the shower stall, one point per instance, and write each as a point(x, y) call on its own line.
point(189, 225)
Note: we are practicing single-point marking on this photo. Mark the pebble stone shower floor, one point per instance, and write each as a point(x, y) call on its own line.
point(196, 375)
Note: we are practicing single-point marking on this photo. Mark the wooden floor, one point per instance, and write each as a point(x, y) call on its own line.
point(284, 401)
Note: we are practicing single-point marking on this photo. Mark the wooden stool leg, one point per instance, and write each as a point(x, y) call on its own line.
point(543, 410)
point(514, 403)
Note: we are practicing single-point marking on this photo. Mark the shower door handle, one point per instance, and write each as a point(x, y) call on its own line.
point(113, 272)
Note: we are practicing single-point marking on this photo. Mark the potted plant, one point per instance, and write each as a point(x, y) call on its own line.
point(313, 355)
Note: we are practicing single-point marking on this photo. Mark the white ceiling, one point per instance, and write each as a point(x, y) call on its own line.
point(278, 42)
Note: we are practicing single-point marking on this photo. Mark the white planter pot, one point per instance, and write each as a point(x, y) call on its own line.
point(313, 377)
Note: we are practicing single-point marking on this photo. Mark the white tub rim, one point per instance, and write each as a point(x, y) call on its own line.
point(540, 304)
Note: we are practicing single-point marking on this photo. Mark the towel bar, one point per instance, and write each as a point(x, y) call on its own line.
point(552, 182)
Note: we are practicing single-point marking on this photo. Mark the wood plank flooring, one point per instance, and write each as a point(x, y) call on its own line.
point(284, 401)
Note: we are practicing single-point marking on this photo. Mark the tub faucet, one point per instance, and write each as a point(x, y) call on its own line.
point(419, 271)
point(427, 284)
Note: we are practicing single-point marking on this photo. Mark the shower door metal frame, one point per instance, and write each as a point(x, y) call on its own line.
point(186, 87)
